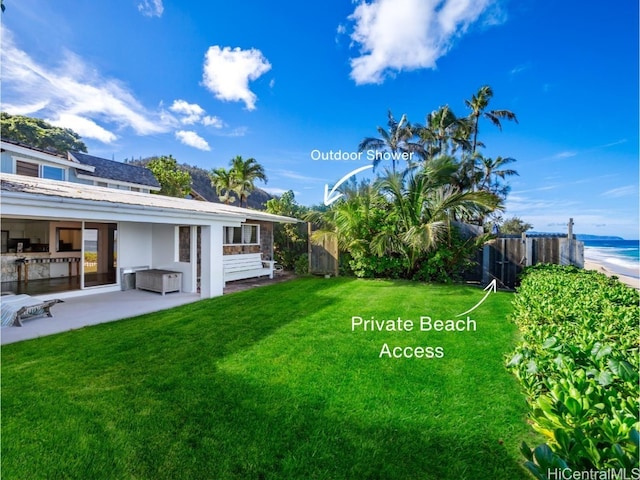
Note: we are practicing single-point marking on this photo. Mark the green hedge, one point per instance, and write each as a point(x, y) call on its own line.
point(578, 363)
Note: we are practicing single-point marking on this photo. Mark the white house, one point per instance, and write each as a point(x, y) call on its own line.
point(76, 167)
point(87, 235)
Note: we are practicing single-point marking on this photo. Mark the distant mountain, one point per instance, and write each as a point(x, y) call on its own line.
point(582, 236)
point(201, 184)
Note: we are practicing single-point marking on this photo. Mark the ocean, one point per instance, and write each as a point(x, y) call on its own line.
point(618, 256)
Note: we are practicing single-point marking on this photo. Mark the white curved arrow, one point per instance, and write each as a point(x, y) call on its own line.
point(332, 196)
point(492, 287)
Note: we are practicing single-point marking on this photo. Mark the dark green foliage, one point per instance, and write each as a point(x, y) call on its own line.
point(290, 240)
point(201, 185)
point(301, 264)
point(367, 265)
point(175, 182)
point(515, 225)
point(238, 180)
point(578, 363)
point(450, 260)
point(37, 133)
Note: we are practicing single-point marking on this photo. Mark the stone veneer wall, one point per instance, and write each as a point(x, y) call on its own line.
point(265, 247)
point(37, 271)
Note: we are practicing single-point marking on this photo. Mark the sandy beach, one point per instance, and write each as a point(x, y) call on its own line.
point(592, 265)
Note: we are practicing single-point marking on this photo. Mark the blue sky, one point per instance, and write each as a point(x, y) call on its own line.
point(205, 81)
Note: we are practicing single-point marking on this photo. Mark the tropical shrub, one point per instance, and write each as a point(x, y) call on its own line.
point(289, 239)
point(450, 260)
point(301, 266)
point(578, 363)
point(367, 265)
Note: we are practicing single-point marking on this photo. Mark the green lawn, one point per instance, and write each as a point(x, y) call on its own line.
point(271, 383)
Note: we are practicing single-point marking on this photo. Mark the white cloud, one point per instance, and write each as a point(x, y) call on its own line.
point(192, 139)
point(296, 176)
point(621, 191)
point(227, 73)
point(153, 8)
point(566, 154)
point(70, 92)
point(215, 122)
point(277, 191)
point(84, 127)
point(519, 69)
point(396, 35)
point(191, 112)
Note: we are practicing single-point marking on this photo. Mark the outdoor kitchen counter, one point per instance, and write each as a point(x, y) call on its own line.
point(32, 266)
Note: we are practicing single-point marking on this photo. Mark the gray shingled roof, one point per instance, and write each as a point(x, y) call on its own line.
point(122, 172)
point(144, 202)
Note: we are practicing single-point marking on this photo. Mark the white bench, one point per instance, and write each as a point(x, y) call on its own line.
point(249, 265)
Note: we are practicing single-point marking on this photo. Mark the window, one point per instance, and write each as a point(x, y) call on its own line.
point(31, 169)
point(52, 173)
point(244, 235)
point(68, 239)
point(27, 168)
point(184, 244)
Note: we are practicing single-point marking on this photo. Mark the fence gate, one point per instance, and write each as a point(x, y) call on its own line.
point(323, 257)
point(505, 257)
point(503, 260)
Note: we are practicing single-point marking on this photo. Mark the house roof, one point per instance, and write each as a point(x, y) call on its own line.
point(17, 149)
point(118, 171)
point(46, 151)
point(17, 188)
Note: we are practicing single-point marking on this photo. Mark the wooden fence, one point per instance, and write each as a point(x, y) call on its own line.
point(502, 259)
point(505, 257)
point(323, 258)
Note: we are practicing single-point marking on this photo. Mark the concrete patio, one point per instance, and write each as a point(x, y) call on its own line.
point(81, 311)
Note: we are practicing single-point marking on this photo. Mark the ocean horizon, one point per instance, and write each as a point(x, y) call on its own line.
point(618, 256)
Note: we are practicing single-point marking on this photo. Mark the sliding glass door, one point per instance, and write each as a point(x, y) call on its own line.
point(100, 246)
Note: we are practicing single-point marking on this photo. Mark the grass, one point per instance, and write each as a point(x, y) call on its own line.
point(270, 383)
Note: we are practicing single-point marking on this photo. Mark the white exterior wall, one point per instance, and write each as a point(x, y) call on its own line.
point(146, 226)
point(212, 281)
point(133, 244)
point(164, 246)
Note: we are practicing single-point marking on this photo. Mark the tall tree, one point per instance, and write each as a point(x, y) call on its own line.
point(37, 133)
point(245, 173)
point(478, 105)
point(493, 172)
point(174, 181)
point(290, 240)
point(515, 225)
point(443, 133)
point(395, 140)
point(224, 182)
point(424, 207)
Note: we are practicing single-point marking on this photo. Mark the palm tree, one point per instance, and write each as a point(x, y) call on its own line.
point(224, 182)
point(245, 173)
point(492, 171)
point(425, 207)
point(352, 220)
point(478, 105)
point(395, 140)
point(443, 133)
